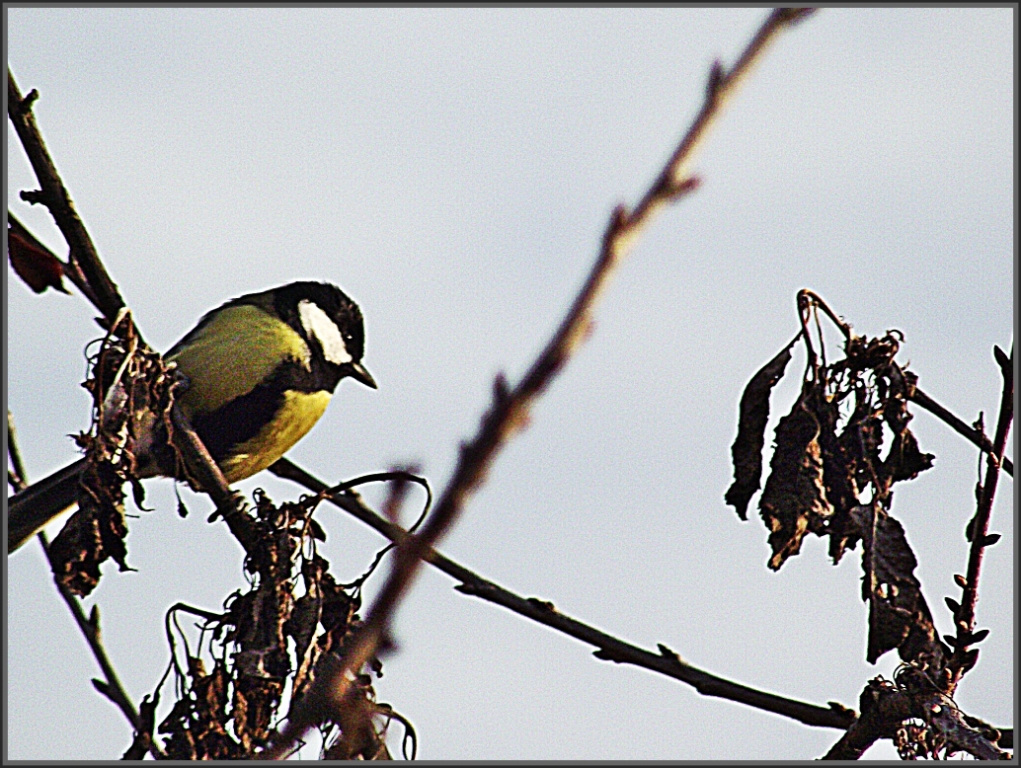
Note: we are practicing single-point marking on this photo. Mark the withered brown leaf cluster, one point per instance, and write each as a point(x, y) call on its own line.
point(132, 393)
point(828, 476)
point(272, 638)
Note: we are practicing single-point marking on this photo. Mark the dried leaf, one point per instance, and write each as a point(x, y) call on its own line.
point(862, 441)
point(905, 460)
point(794, 499)
point(34, 263)
point(197, 724)
point(979, 635)
point(751, 431)
point(898, 614)
point(302, 625)
point(93, 534)
point(839, 466)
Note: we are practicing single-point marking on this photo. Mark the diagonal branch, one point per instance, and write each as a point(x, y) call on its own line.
point(958, 425)
point(55, 197)
point(85, 265)
point(510, 407)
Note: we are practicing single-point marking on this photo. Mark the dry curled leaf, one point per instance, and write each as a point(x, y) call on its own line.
point(129, 384)
point(898, 614)
point(197, 726)
point(33, 262)
point(794, 499)
point(94, 533)
point(751, 431)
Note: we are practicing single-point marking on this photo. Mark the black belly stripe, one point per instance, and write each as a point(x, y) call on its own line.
point(242, 419)
point(237, 421)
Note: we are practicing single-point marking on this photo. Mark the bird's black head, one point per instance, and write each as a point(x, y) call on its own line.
point(330, 322)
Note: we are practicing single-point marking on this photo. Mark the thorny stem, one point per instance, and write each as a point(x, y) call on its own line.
point(510, 407)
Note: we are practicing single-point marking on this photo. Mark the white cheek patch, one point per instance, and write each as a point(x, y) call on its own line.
point(319, 325)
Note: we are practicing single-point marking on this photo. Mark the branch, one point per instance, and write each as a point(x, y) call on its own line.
point(719, 87)
point(921, 722)
point(509, 410)
point(978, 438)
point(608, 647)
point(204, 470)
point(875, 723)
point(55, 197)
point(86, 270)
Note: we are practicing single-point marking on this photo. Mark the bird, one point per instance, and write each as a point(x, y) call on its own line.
point(258, 373)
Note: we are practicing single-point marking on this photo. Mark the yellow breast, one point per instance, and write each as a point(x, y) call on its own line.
point(297, 415)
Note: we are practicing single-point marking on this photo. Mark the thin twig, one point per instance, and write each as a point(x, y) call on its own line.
point(721, 85)
point(204, 470)
point(88, 625)
point(958, 425)
point(55, 197)
point(608, 647)
point(19, 479)
point(509, 410)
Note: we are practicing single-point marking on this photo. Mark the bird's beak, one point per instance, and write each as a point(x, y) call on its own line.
point(359, 373)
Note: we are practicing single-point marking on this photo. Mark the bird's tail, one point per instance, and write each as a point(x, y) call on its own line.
point(29, 510)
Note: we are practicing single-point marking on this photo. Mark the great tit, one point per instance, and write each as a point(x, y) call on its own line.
point(258, 373)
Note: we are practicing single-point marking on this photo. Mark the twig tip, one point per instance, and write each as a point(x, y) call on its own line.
point(1003, 360)
point(25, 105)
point(717, 76)
point(793, 15)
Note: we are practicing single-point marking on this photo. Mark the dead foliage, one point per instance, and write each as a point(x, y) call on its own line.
point(830, 476)
point(267, 648)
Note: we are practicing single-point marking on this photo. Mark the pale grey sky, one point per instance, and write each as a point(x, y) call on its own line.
point(453, 170)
